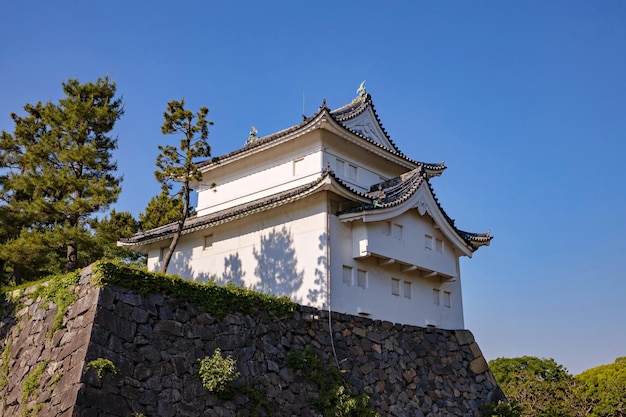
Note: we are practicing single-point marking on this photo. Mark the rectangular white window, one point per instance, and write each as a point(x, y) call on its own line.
point(347, 275)
point(361, 278)
point(428, 242)
point(208, 242)
point(439, 245)
point(407, 289)
point(447, 299)
point(162, 252)
point(395, 286)
point(297, 166)
point(352, 172)
point(340, 168)
point(436, 293)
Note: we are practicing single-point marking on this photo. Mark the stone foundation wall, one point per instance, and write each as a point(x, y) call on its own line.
point(155, 343)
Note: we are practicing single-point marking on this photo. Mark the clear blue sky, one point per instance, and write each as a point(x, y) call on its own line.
point(525, 101)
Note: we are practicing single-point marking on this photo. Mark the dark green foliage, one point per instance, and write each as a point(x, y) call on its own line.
point(335, 399)
point(161, 210)
point(106, 233)
point(209, 297)
point(178, 163)
point(56, 172)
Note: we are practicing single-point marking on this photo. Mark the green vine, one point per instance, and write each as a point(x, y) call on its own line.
point(32, 381)
point(4, 365)
point(335, 399)
point(59, 290)
point(102, 367)
point(258, 398)
point(209, 297)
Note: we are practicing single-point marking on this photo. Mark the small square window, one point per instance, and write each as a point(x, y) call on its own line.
point(340, 168)
point(347, 275)
point(362, 278)
point(297, 166)
point(162, 252)
point(208, 242)
point(428, 242)
point(352, 172)
point(407, 290)
point(439, 245)
point(447, 299)
point(395, 286)
point(436, 293)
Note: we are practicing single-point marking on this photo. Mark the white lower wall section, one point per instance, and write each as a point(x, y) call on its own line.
point(281, 252)
point(285, 251)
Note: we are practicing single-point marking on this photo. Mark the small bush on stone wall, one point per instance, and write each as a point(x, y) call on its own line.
point(217, 372)
point(102, 367)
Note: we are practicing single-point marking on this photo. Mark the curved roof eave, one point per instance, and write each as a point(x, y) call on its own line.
point(327, 181)
point(422, 198)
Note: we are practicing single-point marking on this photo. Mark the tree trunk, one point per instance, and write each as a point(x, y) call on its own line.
point(72, 257)
point(185, 211)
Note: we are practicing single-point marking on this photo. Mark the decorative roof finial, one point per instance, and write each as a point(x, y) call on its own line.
point(361, 90)
point(253, 135)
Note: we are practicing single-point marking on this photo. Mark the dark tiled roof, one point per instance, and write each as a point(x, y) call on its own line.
point(196, 223)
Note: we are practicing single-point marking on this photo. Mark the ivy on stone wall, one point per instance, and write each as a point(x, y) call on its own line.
point(209, 297)
point(334, 399)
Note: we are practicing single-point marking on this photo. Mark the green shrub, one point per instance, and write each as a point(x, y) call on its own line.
point(217, 372)
point(102, 366)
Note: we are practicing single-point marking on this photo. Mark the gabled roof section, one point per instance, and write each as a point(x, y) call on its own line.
point(360, 117)
point(412, 190)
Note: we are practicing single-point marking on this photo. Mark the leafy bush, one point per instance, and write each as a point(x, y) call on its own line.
point(217, 372)
point(102, 366)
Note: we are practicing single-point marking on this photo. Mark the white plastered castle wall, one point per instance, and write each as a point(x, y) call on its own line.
point(261, 174)
point(280, 251)
point(391, 289)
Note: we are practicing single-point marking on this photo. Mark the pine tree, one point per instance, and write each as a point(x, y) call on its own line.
point(57, 171)
point(161, 210)
point(179, 163)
